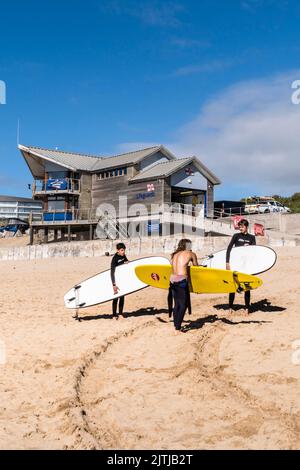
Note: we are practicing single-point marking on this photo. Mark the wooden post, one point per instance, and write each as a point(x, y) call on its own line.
point(31, 234)
point(69, 233)
point(46, 231)
point(91, 232)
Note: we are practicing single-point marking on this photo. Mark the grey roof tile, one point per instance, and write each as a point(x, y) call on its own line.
point(168, 168)
point(78, 161)
point(162, 169)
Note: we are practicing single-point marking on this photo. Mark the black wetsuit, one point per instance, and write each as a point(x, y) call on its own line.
point(180, 291)
point(240, 239)
point(170, 302)
point(115, 262)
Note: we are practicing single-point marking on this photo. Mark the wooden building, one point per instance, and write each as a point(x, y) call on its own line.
point(72, 186)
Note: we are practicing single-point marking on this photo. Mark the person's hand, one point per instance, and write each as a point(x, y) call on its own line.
point(116, 289)
point(228, 266)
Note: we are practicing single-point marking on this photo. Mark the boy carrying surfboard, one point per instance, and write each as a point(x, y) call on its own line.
point(240, 239)
point(118, 259)
point(180, 261)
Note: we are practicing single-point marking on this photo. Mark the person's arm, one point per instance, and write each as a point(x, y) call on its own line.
point(112, 274)
point(230, 246)
point(253, 242)
point(194, 259)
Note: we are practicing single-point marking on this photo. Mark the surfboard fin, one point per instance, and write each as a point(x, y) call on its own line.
point(71, 300)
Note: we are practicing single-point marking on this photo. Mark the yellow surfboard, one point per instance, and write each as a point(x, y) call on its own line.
point(202, 280)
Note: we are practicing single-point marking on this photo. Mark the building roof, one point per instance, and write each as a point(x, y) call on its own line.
point(165, 169)
point(15, 199)
point(131, 157)
point(91, 163)
point(34, 157)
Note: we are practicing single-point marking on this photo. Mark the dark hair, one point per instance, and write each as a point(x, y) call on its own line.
point(121, 246)
point(243, 222)
point(182, 246)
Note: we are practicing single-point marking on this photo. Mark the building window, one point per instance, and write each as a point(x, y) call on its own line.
point(112, 173)
point(56, 204)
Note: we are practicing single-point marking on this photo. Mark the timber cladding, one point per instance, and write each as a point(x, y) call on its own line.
point(108, 191)
point(86, 191)
point(210, 199)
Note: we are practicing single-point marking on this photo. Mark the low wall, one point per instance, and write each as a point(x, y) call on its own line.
point(135, 247)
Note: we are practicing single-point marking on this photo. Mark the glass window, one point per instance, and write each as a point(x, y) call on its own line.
point(56, 204)
point(58, 174)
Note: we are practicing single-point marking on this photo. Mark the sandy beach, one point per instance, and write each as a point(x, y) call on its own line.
point(229, 382)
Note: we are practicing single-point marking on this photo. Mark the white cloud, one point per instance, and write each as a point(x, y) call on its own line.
point(249, 136)
point(203, 68)
point(150, 12)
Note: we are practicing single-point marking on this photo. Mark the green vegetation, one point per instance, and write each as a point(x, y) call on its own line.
point(293, 202)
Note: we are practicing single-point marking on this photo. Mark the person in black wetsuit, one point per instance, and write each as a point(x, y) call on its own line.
point(240, 239)
point(118, 259)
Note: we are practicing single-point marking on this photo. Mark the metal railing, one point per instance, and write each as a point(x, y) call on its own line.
point(185, 209)
point(227, 219)
point(111, 228)
point(59, 185)
point(229, 212)
point(90, 215)
point(72, 215)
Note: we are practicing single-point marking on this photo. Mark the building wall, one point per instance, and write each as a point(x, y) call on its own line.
point(108, 191)
point(152, 160)
point(181, 179)
point(210, 200)
point(167, 191)
point(85, 198)
point(53, 167)
point(19, 209)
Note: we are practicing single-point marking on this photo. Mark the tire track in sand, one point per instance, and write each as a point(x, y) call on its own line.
point(147, 389)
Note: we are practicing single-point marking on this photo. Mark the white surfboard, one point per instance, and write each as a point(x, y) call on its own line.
point(253, 259)
point(98, 289)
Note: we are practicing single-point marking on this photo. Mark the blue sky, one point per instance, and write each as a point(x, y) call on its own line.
point(203, 77)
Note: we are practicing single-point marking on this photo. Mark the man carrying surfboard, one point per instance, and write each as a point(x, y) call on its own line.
point(118, 259)
point(240, 239)
point(180, 261)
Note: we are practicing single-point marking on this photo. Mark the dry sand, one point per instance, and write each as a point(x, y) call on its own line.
point(227, 383)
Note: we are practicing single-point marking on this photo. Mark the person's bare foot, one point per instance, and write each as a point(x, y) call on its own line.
point(116, 317)
point(178, 332)
point(230, 311)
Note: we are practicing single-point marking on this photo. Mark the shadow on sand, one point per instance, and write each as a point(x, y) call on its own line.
point(200, 322)
point(260, 306)
point(150, 311)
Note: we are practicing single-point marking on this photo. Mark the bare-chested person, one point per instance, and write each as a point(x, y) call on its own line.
point(181, 259)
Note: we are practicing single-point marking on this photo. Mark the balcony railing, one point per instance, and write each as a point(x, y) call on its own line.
point(56, 186)
point(65, 216)
point(91, 215)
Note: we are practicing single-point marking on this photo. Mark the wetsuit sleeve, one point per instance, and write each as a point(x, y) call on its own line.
point(230, 246)
point(126, 260)
point(253, 241)
point(113, 270)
